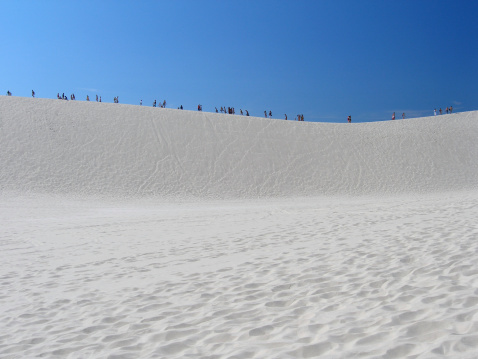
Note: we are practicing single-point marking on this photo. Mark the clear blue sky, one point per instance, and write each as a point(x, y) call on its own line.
point(323, 59)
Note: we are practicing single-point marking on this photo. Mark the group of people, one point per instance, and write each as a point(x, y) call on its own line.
point(227, 110)
point(62, 97)
point(230, 111)
point(162, 105)
point(448, 110)
point(393, 116)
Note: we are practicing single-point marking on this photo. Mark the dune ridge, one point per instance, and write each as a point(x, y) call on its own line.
point(89, 148)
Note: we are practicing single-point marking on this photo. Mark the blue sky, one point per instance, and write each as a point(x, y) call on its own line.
point(323, 59)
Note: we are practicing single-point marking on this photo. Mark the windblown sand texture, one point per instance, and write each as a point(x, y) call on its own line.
point(136, 232)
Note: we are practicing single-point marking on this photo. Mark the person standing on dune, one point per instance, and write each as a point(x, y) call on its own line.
point(393, 116)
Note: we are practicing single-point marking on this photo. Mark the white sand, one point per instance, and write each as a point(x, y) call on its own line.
point(133, 232)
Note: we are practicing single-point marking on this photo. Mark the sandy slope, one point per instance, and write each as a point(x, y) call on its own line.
point(377, 258)
point(93, 148)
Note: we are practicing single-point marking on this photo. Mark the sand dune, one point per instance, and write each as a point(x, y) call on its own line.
point(129, 232)
point(99, 148)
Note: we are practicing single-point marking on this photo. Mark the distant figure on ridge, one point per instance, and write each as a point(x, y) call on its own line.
point(349, 119)
point(247, 113)
point(440, 110)
point(285, 116)
point(141, 103)
point(434, 112)
point(9, 93)
point(393, 116)
point(96, 98)
point(265, 114)
point(33, 93)
point(116, 99)
point(87, 97)
point(154, 103)
point(403, 115)
point(270, 114)
point(451, 109)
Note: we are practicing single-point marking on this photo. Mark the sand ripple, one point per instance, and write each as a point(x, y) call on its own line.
point(333, 278)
